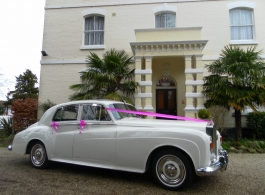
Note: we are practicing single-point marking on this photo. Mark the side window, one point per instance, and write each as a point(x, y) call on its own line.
point(95, 112)
point(66, 113)
point(94, 30)
point(241, 24)
point(57, 116)
point(165, 20)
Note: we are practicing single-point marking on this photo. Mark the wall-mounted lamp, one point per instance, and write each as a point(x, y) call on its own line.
point(44, 53)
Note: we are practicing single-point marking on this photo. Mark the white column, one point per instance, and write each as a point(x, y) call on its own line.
point(199, 77)
point(138, 67)
point(189, 109)
point(148, 84)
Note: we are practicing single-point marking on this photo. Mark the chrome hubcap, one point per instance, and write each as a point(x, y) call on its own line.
point(38, 155)
point(170, 170)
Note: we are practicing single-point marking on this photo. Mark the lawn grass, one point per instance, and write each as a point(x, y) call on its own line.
point(6, 140)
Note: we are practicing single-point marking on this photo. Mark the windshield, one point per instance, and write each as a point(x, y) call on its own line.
point(120, 115)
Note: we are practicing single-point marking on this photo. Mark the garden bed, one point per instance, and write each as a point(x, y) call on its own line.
point(244, 146)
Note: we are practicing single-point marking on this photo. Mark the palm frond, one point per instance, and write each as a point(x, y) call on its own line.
point(104, 76)
point(237, 78)
point(117, 97)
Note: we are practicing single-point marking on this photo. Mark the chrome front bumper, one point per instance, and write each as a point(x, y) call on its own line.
point(9, 147)
point(213, 168)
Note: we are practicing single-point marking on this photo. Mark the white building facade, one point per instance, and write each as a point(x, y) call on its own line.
point(171, 42)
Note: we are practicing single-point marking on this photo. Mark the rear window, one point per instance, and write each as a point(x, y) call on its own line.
point(66, 113)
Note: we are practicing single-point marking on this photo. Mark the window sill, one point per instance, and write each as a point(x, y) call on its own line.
point(243, 42)
point(92, 47)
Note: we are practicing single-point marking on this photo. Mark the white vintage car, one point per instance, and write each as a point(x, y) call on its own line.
point(93, 133)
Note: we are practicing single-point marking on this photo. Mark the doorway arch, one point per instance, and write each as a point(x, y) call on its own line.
point(166, 96)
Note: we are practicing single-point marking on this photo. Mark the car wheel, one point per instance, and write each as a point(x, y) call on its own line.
point(172, 169)
point(38, 156)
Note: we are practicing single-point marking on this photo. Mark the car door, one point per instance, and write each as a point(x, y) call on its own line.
point(65, 124)
point(97, 140)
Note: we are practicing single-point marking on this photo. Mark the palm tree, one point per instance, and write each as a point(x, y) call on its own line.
point(236, 80)
point(108, 78)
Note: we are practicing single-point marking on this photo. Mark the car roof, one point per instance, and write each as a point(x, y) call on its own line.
point(100, 101)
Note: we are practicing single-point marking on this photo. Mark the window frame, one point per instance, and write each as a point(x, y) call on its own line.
point(61, 110)
point(166, 13)
point(96, 112)
point(165, 8)
point(242, 25)
point(89, 13)
point(94, 30)
point(242, 5)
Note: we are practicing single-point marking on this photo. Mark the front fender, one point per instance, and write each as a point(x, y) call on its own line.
point(133, 148)
point(198, 149)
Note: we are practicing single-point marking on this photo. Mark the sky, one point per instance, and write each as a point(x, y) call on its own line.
point(21, 32)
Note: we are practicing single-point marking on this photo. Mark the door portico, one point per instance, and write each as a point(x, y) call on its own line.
point(175, 57)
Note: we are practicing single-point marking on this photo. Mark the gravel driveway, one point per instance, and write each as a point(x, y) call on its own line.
point(245, 175)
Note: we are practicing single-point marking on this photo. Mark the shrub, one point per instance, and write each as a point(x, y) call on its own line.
point(204, 114)
point(261, 144)
point(256, 124)
point(46, 105)
point(6, 124)
point(219, 113)
point(226, 145)
point(2, 109)
point(25, 113)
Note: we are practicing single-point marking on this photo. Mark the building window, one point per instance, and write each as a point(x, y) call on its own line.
point(165, 82)
point(94, 30)
point(241, 24)
point(165, 20)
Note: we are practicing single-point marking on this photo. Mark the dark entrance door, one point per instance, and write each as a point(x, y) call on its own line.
point(166, 101)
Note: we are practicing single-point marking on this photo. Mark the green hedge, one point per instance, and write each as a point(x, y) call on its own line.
point(256, 124)
point(204, 114)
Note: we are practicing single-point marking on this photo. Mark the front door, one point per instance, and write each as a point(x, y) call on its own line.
point(97, 141)
point(166, 101)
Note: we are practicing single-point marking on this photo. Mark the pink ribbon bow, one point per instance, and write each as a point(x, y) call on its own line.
point(82, 124)
point(54, 126)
